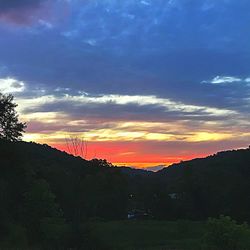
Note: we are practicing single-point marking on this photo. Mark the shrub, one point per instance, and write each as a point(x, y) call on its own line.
point(225, 233)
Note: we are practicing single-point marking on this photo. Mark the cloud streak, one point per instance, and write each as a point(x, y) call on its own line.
point(144, 72)
point(227, 80)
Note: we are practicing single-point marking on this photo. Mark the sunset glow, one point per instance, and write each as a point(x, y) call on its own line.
point(143, 83)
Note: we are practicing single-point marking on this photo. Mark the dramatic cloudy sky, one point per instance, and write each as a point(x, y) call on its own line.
point(145, 82)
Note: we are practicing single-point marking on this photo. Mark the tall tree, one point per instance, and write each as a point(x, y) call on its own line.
point(10, 127)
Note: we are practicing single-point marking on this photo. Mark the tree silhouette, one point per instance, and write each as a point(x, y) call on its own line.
point(10, 127)
point(77, 146)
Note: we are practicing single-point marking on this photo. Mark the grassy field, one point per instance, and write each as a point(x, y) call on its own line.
point(149, 235)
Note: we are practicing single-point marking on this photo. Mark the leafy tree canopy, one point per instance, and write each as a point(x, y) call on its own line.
point(10, 127)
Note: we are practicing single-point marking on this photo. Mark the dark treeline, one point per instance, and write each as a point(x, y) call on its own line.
point(218, 184)
point(48, 197)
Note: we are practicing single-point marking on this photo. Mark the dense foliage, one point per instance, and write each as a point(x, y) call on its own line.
point(221, 233)
point(218, 184)
point(225, 234)
point(46, 196)
point(10, 127)
point(49, 198)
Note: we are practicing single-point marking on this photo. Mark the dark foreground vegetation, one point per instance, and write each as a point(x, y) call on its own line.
point(222, 233)
point(50, 199)
point(149, 234)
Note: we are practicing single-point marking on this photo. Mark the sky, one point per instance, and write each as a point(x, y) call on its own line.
point(142, 82)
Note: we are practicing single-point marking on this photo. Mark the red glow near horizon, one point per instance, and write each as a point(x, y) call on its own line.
point(129, 155)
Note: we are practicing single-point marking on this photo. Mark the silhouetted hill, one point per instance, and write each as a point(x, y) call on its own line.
point(231, 158)
point(217, 184)
point(235, 163)
point(47, 196)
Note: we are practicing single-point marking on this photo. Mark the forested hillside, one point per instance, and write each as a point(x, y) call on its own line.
point(48, 197)
point(218, 184)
